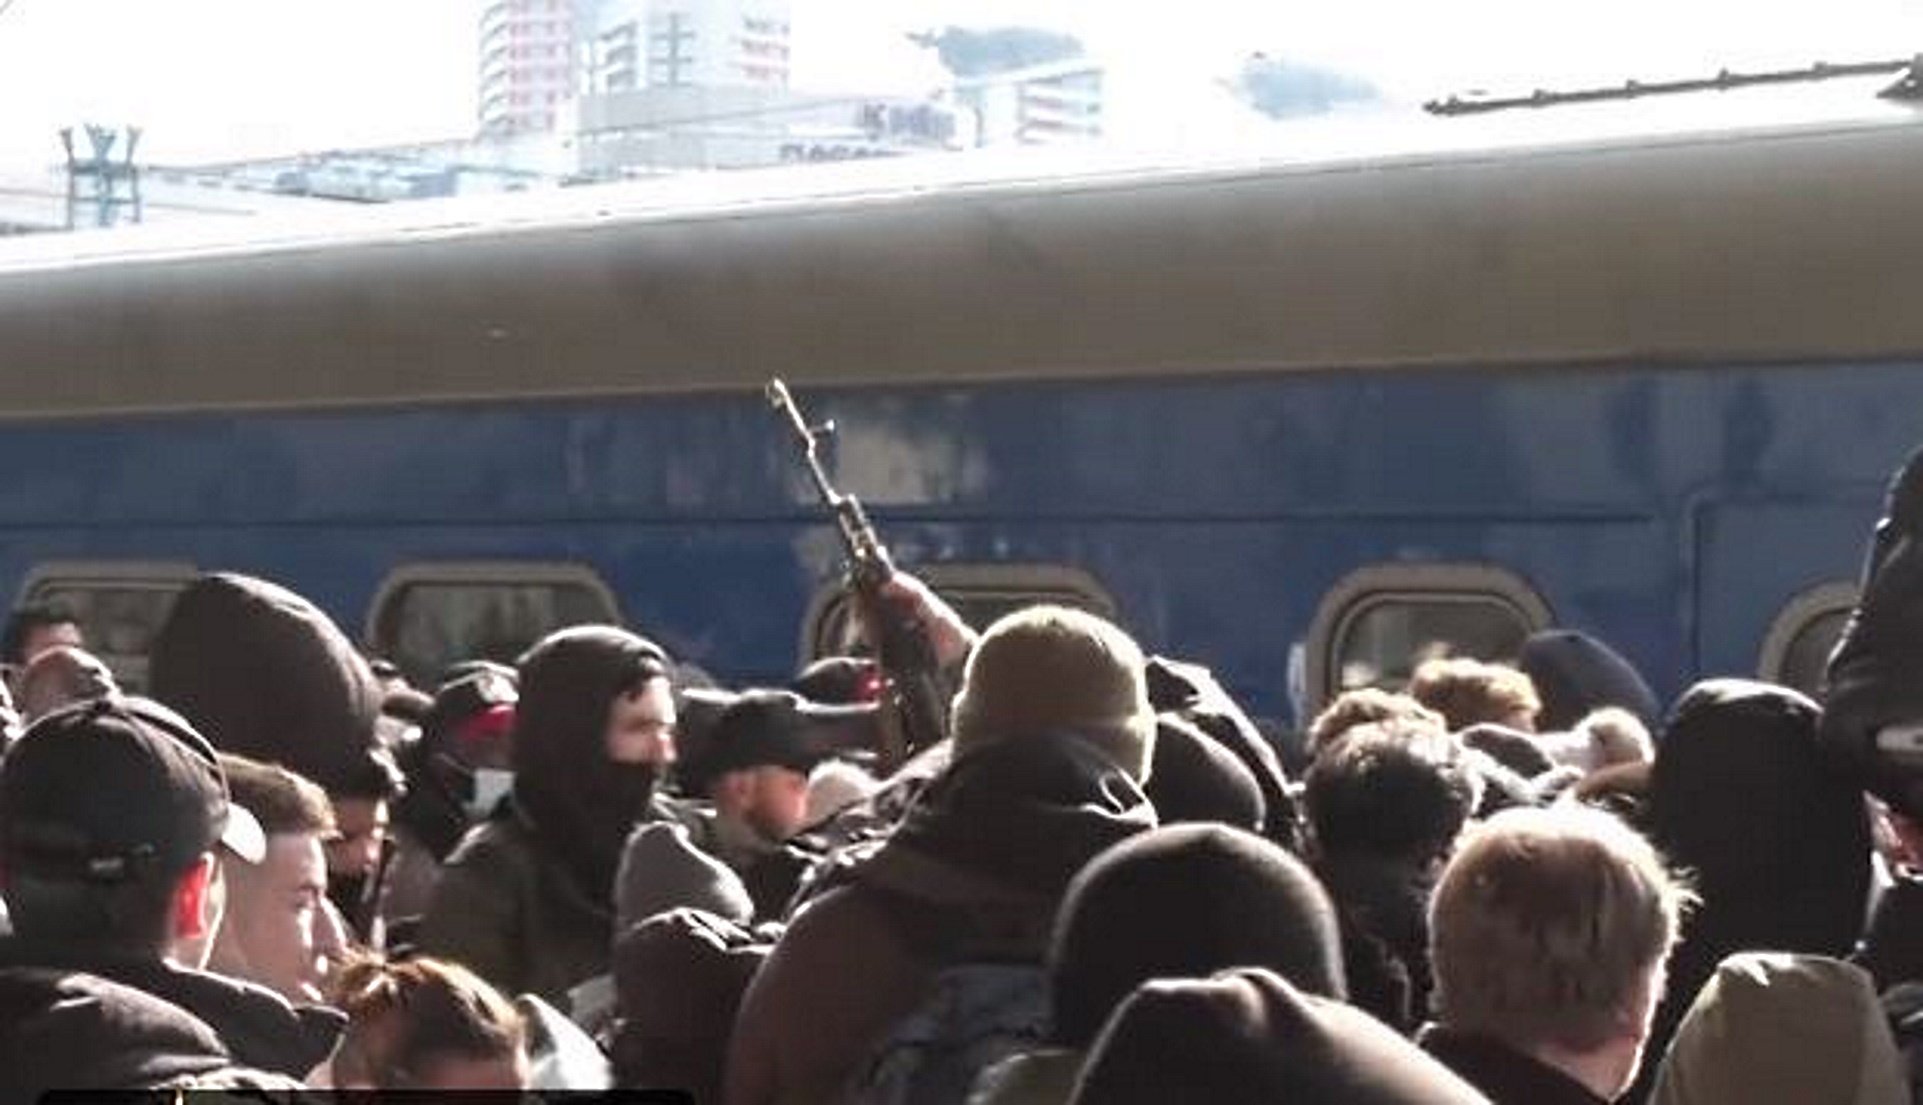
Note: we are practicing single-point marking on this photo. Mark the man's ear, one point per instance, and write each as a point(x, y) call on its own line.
point(734, 788)
point(196, 908)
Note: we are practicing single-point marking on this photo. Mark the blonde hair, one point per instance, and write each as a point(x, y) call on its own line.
point(1469, 692)
point(1546, 924)
point(1365, 706)
point(1617, 736)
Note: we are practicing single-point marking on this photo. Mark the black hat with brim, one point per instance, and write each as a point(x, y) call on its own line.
point(105, 789)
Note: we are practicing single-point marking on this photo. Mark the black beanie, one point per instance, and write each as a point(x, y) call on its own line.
point(1775, 835)
point(1249, 1036)
point(1192, 777)
point(1576, 674)
point(1184, 902)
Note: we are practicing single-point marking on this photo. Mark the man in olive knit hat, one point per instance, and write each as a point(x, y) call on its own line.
point(1052, 669)
point(1052, 734)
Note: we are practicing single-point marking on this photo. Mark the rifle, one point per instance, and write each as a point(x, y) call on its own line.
point(901, 641)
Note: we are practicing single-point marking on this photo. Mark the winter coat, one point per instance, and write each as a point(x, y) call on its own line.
point(65, 1031)
point(1892, 948)
point(1383, 906)
point(1875, 675)
point(526, 900)
point(1506, 1075)
point(1191, 693)
point(680, 977)
point(976, 870)
point(1776, 837)
point(505, 911)
point(257, 1027)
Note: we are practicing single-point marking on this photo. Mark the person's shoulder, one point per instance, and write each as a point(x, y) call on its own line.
point(259, 1026)
point(497, 841)
point(818, 939)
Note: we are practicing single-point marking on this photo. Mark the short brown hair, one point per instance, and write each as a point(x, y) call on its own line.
point(403, 1017)
point(281, 800)
point(1545, 922)
point(1363, 706)
point(1393, 790)
point(1468, 692)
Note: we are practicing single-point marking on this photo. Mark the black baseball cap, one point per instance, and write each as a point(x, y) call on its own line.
point(102, 789)
point(776, 728)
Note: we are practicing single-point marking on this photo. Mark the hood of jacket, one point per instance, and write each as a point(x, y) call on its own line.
point(1007, 826)
point(62, 1030)
point(1770, 1027)
point(581, 804)
point(264, 673)
point(1776, 836)
point(258, 1027)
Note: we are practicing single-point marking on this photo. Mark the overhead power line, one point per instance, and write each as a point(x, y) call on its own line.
point(1634, 89)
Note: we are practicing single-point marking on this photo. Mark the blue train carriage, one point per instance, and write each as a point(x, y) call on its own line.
point(1304, 418)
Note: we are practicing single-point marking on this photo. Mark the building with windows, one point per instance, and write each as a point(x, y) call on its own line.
point(718, 44)
point(633, 44)
point(617, 47)
point(530, 70)
point(660, 130)
point(1041, 105)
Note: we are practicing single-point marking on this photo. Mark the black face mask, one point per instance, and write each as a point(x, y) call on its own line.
point(621, 798)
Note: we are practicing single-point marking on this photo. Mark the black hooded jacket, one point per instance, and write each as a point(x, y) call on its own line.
point(1192, 694)
point(1875, 675)
point(526, 900)
point(1775, 835)
point(581, 805)
point(264, 673)
point(255, 1026)
point(65, 1031)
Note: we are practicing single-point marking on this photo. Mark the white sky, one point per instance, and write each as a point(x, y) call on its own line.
point(212, 79)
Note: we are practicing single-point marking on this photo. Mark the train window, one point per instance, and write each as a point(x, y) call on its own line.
point(425, 617)
point(980, 593)
point(1796, 650)
point(1378, 623)
point(119, 605)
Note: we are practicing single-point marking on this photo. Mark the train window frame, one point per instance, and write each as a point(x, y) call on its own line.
point(126, 575)
point(1803, 610)
point(502, 573)
point(1373, 585)
point(1041, 579)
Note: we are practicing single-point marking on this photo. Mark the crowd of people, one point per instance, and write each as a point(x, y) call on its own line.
point(1523, 883)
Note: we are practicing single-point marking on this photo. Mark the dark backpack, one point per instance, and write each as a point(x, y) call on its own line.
point(979, 1010)
point(975, 1016)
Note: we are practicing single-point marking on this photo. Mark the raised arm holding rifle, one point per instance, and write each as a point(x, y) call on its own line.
point(915, 634)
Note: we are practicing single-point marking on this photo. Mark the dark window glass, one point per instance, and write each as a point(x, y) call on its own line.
point(425, 626)
point(1384, 638)
point(118, 619)
point(1809, 651)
